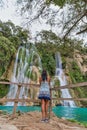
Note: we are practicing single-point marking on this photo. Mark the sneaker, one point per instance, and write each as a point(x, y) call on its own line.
point(46, 120)
point(43, 120)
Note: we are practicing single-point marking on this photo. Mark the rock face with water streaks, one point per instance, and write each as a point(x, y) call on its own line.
point(31, 121)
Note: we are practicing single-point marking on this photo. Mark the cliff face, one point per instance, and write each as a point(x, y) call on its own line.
point(81, 60)
point(71, 73)
point(8, 73)
point(80, 63)
point(76, 72)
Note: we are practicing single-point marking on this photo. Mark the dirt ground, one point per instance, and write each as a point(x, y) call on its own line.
point(32, 121)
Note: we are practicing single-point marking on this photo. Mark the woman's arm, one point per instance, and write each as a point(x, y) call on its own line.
point(48, 79)
point(40, 79)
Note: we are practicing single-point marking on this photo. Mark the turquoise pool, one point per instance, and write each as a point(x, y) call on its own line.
point(79, 114)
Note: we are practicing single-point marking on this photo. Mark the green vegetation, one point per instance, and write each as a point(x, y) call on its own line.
point(76, 77)
point(67, 50)
point(80, 123)
point(53, 44)
point(3, 90)
point(46, 48)
point(6, 52)
point(11, 37)
point(75, 73)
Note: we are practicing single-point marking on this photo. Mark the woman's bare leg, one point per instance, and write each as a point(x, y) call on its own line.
point(46, 108)
point(43, 108)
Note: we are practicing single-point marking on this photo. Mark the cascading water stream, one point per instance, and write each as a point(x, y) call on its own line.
point(18, 76)
point(22, 72)
point(62, 79)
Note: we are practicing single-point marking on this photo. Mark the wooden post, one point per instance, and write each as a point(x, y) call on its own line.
point(50, 103)
point(16, 102)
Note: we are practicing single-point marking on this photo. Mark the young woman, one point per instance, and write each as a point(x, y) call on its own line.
point(44, 94)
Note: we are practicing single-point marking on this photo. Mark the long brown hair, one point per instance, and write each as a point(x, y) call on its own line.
point(44, 75)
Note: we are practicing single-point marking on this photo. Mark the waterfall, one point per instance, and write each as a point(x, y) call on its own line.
point(22, 71)
point(62, 79)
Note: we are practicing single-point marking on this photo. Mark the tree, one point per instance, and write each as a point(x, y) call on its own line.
point(73, 20)
point(11, 37)
point(6, 52)
point(76, 20)
point(48, 37)
point(16, 34)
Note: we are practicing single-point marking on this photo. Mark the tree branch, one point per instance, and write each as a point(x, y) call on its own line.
point(75, 24)
point(84, 30)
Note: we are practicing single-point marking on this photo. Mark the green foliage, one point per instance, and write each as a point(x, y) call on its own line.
point(3, 90)
point(60, 3)
point(84, 50)
point(76, 77)
point(56, 82)
point(15, 34)
point(52, 44)
point(80, 123)
point(49, 37)
point(47, 55)
point(47, 50)
point(75, 73)
point(6, 51)
point(11, 37)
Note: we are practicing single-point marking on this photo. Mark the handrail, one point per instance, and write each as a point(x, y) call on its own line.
point(55, 88)
point(19, 100)
point(16, 100)
point(76, 99)
point(24, 84)
point(70, 86)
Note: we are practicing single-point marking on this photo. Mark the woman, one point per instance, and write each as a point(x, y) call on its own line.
point(44, 95)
